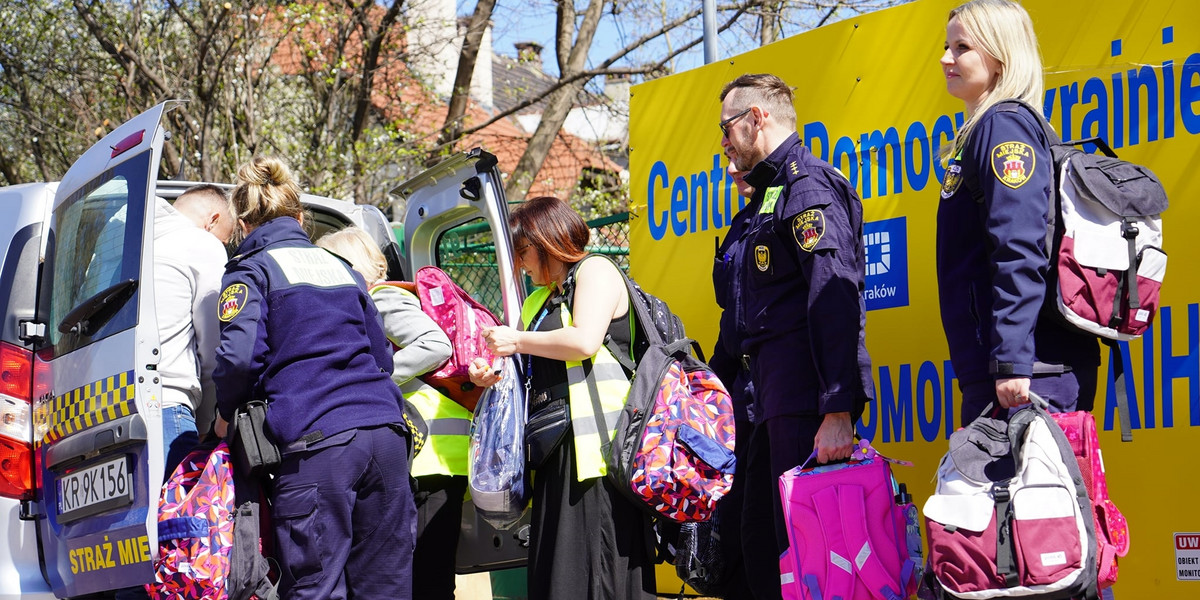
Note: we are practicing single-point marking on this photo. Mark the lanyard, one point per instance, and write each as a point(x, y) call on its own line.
point(529, 359)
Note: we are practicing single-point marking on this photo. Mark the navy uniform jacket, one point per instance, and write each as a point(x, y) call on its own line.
point(801, 292)
point(991, 256)
point(298, 328)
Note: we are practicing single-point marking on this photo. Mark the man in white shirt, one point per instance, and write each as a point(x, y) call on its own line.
point(188, 265)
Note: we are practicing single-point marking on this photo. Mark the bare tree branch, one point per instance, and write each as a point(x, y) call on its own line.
point(604, 68)
point(373, 38)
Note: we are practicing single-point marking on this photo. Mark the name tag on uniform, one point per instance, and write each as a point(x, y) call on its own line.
point(769, 199)
point(311, 266)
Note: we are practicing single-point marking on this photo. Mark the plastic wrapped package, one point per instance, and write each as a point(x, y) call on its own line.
point(496, 465)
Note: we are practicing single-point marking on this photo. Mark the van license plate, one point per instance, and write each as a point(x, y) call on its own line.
point(98, 487)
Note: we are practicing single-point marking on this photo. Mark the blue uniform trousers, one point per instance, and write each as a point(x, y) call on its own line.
point(776, 445)
point(344, 518)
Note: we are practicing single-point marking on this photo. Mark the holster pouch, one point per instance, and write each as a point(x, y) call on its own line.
point(254, 454)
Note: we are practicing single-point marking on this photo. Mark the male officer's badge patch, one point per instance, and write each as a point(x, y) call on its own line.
point(952, 180)
point(232, 299)
point(808, 227)
point(795, 169)
point(762, 258)
point(1013, 162)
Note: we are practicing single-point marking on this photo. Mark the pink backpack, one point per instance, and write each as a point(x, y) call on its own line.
point(852, 531)
point(1112, 532)
point(463, 319)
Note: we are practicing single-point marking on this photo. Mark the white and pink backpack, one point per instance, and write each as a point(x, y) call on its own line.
point(1011, 516)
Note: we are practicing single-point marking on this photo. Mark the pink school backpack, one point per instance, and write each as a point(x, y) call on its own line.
point(463, 319)
point(852, 531)
point(1112, 532)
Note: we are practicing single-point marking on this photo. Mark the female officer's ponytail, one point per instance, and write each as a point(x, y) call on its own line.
point(265, 190)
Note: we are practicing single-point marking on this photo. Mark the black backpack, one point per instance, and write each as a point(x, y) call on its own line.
point(658, 316)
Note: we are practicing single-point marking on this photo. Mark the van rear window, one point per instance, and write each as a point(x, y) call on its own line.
point(97, 245)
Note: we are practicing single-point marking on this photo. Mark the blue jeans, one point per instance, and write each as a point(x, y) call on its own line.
point(179, 435)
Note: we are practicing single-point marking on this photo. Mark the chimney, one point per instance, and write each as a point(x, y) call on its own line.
point(433, 43)
point(616, 87)
point(529, 53)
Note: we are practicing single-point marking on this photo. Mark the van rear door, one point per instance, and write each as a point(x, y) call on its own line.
point(456, 218)
point(97, 419)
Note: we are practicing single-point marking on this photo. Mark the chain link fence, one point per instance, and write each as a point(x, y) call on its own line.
point(468, 254)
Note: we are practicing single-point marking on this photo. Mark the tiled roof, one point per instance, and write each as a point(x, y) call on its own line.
point(513, 81)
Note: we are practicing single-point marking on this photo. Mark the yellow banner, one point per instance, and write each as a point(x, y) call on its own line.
point(871, 99)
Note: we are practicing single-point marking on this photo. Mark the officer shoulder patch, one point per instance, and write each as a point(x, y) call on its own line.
point(232, 299)
point(1013, 163)
point(808, 227)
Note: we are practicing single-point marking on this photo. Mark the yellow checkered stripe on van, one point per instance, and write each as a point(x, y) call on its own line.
point(88, 406)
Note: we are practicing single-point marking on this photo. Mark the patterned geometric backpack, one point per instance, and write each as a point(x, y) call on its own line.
point(209, 546)
point(673, 448)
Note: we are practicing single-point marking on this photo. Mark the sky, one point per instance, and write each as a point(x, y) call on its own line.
point(516, 21)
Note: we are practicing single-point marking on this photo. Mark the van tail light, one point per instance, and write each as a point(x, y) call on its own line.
point(16, 431)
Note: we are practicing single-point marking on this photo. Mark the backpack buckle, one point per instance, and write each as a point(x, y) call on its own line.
point(1001, 494)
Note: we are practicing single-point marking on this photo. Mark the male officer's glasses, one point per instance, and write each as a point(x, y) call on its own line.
point(724, 125)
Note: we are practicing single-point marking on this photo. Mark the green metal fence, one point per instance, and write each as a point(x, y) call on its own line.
point(468, 254)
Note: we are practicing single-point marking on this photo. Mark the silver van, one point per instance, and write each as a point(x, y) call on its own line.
point(80, 427)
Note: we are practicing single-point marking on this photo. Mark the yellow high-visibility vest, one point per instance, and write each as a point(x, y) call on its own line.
point(446, 444)
point(597, 382)
point(449, 423)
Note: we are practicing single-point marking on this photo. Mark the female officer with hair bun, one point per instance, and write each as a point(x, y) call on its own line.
point(299, 330)
point(991, 224)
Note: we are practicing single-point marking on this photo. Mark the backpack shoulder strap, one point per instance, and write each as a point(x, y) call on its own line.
point(636, 312)
point(407, 287)
point(1013, 104)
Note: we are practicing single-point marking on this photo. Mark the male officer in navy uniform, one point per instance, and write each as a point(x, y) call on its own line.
point(800, 309)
